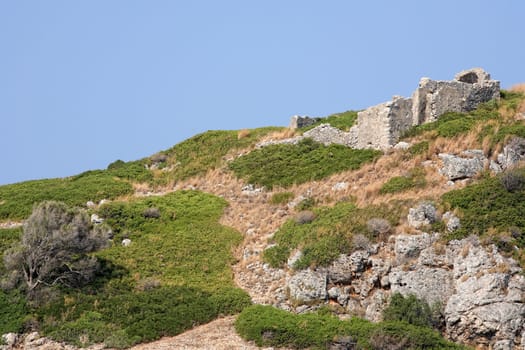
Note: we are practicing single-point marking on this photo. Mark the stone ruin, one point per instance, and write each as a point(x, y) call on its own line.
point(381, 126)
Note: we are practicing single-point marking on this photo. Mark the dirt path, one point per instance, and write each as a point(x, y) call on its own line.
point(216, 335)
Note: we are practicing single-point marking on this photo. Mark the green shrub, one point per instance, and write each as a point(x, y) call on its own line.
point(185, 260)
point(330, 234)
point(419, 148)
point(397, 184)
point(416, 179)
point(133, 171)
point(285, 165)
point(18, 199)
point(204, 152)
point(276, 255)
point(13, 311)
point(409, 309)
point(487, 206)
point(268, 326)
point(281, 197)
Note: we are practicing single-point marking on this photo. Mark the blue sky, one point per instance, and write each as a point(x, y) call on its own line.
point(83, 83)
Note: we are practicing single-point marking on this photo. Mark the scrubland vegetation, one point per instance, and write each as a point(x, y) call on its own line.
point(175, 272)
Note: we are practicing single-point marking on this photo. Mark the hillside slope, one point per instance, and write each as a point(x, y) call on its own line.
point(307, 227)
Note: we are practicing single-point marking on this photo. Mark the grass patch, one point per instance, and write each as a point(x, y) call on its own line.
point(419, 148)
point(203, 152)
point(174, 275)
point(268, 326)
point(281, 198)
point(17, 200)
point(416, 179)
point(328, 235)
point(343, 121)
point(285, 165)
point(491, 209)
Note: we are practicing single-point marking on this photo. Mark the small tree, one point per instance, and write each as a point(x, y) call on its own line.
point(409, 309)
point(54, 248)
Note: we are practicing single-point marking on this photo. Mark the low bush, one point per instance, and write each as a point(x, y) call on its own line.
point(419, 148)
point(304, 217)
point(204, 152)
point(330, 234)
point(513, 180)
point(18, 199)
point(487, 206)
point(285, 165)
point(268, 326)
point(175, 275)
point(409, 309)
point(281, 197)
point(415, 179)
point(13, 311)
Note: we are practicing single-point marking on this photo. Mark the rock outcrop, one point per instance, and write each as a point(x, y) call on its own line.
point(513, 153)
point(480, 293)
point(467, 166)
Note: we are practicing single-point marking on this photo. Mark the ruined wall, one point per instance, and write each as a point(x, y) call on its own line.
point(379, 127)
point(463, 94)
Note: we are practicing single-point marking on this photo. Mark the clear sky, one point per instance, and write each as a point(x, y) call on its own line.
point(84, 83)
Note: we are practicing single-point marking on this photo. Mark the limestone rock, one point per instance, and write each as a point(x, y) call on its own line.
point(456, 168)
point(487, 306)
point(423, 214)
point(429, 284)
point(327, 135)
point(340, 186)
point(95, 219)
point(513, 153)
point(10, 339)
point(452, 221)
point(347, 267)
point(307, 286)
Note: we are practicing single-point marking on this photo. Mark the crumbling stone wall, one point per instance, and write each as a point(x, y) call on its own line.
point(463, 94)
point(380, 126)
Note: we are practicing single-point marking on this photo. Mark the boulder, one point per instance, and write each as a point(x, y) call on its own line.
point(347, 267)
point(456, 168)
point(307, 286)
point(423, 214)
point(513, 153)
point(327, 135)
point(434, 285)
point(95, 219)
point(452, 221)
point(9, 340)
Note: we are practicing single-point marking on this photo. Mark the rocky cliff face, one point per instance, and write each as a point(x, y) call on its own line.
point(480, 293)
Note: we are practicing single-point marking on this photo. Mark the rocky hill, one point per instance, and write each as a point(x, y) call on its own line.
point(408, 214)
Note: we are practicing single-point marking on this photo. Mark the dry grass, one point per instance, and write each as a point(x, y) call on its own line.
point(285, 133)
point(241, 134)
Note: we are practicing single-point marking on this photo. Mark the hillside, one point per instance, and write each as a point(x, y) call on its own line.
point(400, 226)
